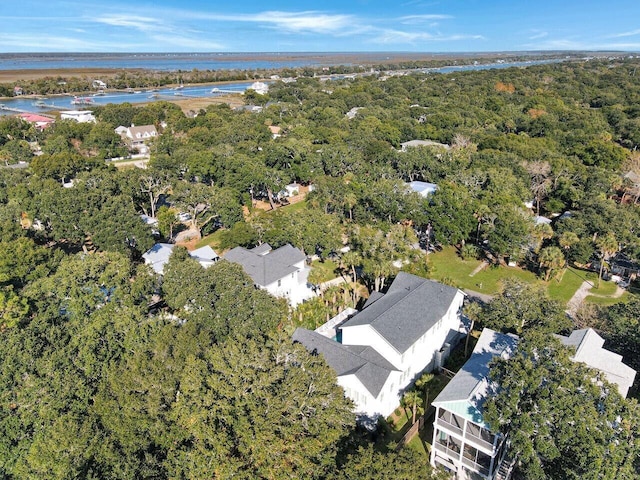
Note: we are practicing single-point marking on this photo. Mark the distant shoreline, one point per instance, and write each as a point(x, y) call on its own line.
point(117, 63)
point(12, 76)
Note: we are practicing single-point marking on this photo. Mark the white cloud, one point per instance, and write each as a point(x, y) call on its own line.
point(296, 22)
point(632, 33)
point(418, 19)
point(390, 36)
point(52, 43)
point(143, 24)
point(538, 34)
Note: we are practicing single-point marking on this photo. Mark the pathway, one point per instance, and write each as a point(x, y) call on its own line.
point(479, 268)
point(583, 292)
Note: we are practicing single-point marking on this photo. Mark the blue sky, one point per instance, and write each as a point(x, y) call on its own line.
point(288, 26)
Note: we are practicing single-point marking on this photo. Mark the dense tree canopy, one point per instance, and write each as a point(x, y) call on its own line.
point(94, 384)
point(564, 420)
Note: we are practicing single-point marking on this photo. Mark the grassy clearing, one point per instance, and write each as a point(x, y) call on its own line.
point(323, 271)
point(606, 288)
point(563, 289)
point(607, 301)
point(448, 265)
point(295, 207)
point(213, 240)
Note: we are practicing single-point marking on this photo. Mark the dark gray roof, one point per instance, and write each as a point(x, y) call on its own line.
point(411, 306)
point(261, 249)
point(373, 298)
point(265, 269)
point(362, 361)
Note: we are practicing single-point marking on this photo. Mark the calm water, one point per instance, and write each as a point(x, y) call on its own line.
point(64, 102)
point(156, 61)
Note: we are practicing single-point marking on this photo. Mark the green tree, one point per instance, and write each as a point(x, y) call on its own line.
point(552, 260)
point(607, 246)
point(413, 400)
point(367, 463)
point(206, 204)
point(521, 307)
point(564, 420)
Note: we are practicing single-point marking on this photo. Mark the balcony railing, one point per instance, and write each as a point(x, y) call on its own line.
point(449, 426)
point(478, 442)
point(448, 451)
point(476, 467)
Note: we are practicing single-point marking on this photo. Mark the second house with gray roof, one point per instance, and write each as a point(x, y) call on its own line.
point(281, 272)
point(397, 336)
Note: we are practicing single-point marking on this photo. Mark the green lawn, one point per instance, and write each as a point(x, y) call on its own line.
point(323, 271)
point(295, 207)
point(607, 301)
point(213, 240)
point(448, 265)
point(563, 290)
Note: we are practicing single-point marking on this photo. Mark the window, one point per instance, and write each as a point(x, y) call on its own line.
point(470, 453)
point(280, 282)
point(451, 418)
point(478, 432)
point(484, 460)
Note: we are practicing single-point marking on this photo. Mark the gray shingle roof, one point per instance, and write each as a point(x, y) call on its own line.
point(466, 391)
point(411, 306)
point(264, 269)
point(362, 361)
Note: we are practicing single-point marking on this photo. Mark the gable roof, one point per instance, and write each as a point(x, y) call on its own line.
point(204, 254)
point(266, 268)
point(142, 132)
point(158, 255)
point(465, 393)
point(423, 143)
point(588, 345)
point(411, 306)
point(423, 188)
point(368, 366)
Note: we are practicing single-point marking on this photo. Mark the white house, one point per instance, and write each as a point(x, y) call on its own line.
point(260, 88)
point(423, 188)
point(422, 143)
point(137, 138)
point(366, 377)
point(397, 336)
point(281, 272)
point(158, 256)
point(462, 441)
point(99, 84)
point(80, 116)
point(275, 131)
point(588, 345)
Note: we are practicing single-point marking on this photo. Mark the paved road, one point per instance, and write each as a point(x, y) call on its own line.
point(483, 297)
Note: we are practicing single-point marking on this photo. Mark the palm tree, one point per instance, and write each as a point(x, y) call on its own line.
point(541, 232)
point(607, 245)
point(472, 311)
point(350, 259)
point(414, 400)
point(423, 384)
point(551, 259)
